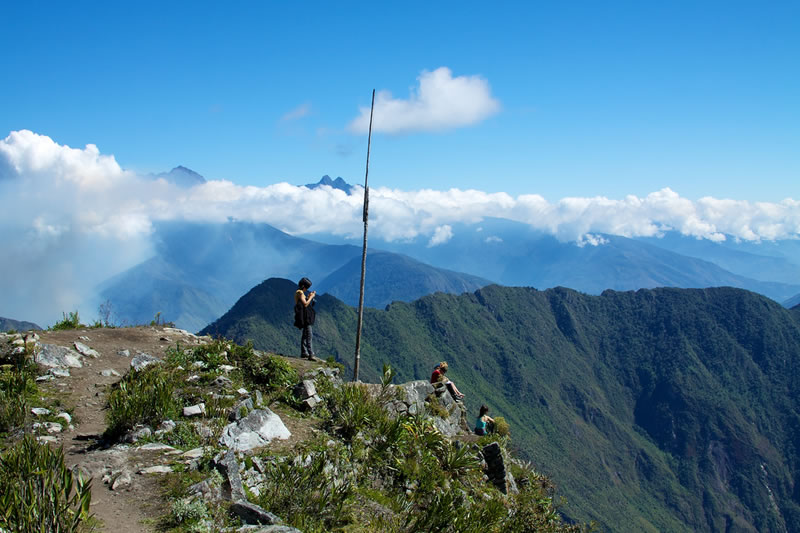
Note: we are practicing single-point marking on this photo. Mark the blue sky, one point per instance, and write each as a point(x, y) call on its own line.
point(592, 99)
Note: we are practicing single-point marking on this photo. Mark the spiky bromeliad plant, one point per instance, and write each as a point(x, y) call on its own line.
point(38, 492)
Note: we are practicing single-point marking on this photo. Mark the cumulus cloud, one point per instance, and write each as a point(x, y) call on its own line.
point(73, 217)
point(441, 235)
point(439, 102)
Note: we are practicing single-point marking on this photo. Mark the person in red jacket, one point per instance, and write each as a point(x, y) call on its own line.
point(438, 376)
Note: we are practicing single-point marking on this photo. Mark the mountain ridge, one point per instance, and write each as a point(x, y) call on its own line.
point(683, 393)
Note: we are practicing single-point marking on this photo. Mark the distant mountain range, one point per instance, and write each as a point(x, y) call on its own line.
point(657, 410)
point(9, 324)
point(200, 270)
point(514, 254)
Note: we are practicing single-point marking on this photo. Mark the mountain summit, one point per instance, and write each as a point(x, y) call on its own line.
point(182, 177)
point(338, 183)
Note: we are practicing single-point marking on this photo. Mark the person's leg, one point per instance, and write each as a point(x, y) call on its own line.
point(305, 342)
point(310, 343)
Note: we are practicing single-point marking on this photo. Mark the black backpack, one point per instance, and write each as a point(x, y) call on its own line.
point(304, 315)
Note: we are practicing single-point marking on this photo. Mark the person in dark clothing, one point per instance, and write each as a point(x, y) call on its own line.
point(302, 301)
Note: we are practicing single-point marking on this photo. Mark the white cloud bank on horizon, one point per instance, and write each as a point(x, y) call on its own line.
point(73, 217)
point(440, 102)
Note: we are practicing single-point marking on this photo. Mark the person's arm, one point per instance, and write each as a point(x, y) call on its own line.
point(305, 301)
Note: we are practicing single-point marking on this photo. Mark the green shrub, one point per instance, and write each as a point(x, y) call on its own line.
point(353, 409)
point(38, 492)
point(186, 511)
point(71, 321)
point(141, 397)
point(17, 386)
point(501, 427)
point(310, 494)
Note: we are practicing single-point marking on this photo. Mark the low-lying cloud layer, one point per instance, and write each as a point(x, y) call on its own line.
point(440, 102)
point(73, 217)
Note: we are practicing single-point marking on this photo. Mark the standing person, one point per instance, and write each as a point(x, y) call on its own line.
point(304, 316)
point(438, 375)
point(485, 423)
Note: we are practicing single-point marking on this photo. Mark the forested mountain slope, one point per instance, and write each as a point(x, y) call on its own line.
point(658, 410)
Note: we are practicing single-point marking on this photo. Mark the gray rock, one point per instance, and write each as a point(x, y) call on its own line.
point(243, 392)
point(46, 439)
point(312, 402)
point(456, 420)
point(496, 470)
point(195, 410)
point(122, 480)
point(193, 378)
point(253, 514)
point(47, 377)
point(50, 427)
point(157, 447)
point(137, 434)
point(65, 417)
point(158, 469)
point(124, 353)
point(232, 489)
point(166, 426)
point(221, 381)
point(55, 356)
point(253, 431)
point(85, 350)
point(203, 430)
point(59, 372)
point(227, 368)
point(207, 490)
point(109, 372)
point(241, 410)
point(305, 389)
point(40, 411)
point(194, 453)
point(143, 360)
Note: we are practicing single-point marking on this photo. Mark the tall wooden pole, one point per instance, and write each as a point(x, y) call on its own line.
point(364, 251)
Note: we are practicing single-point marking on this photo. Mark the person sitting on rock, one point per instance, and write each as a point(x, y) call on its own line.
point(438, 376)
point(485, 423)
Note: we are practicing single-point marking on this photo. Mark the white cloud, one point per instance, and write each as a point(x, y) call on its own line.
point(441, 235)
point(303, 110)
point(440, 102)
point(73, 217)
point(492, 238)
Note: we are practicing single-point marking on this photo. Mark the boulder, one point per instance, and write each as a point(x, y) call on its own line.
point(305, 389)
point(496, 470)
point(255, 430)
point(195, 410)
point(253, 514)
point(55, 356)
point(85, 350)
point(143, 360)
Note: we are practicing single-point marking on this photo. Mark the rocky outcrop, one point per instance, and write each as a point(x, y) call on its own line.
point(255, 430)
point(496, 469)
point(421, 396)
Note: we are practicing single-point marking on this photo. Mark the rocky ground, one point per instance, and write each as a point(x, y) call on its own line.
point(80, 367)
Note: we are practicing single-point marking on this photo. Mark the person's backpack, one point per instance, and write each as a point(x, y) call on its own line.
point(304, 315)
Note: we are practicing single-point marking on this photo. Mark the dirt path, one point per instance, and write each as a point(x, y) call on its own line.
point(136, 507)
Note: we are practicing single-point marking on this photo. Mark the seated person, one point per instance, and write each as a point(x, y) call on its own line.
point(485, 423)
point(438, 376)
